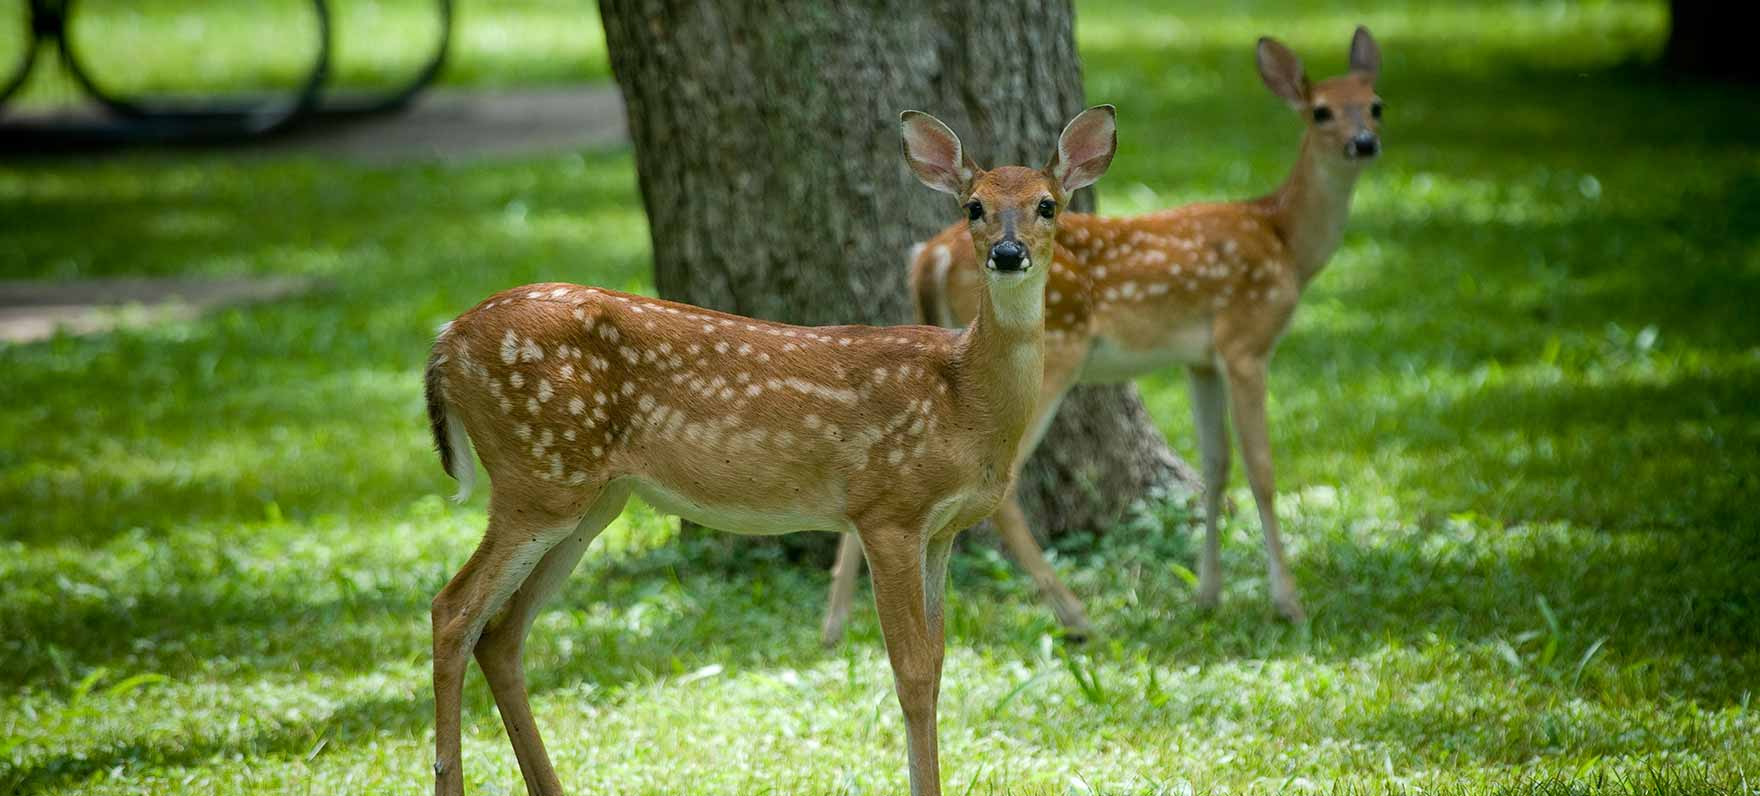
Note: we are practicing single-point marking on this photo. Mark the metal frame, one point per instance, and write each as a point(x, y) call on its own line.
point(141, 120)
point(12, 84)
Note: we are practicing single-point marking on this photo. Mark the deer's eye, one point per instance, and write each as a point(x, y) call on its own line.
point(1322, 114)
point(1047, 208)
point(1375, 110)
point(974, 210)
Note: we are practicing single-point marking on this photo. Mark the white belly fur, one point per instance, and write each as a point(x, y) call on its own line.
point(736, 519)
point(1187, 344)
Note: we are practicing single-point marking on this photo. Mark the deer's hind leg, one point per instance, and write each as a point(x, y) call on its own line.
point(843, 589)
point(519, 536)
point(1210, 420)
point(499, 650)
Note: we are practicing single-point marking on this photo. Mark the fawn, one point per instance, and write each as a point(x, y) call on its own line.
point(1209, 286)
point(575, 397)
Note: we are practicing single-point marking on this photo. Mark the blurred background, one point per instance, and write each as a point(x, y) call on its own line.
point(1515, 422)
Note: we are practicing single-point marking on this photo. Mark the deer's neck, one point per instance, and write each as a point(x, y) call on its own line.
point(1311, 206)
point(1001, 359)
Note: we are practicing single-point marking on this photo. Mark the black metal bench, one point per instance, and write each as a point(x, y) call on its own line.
point(129, 120)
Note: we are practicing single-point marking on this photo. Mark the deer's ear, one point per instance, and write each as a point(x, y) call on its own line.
point(934, 153)
point(1085, 148)
point(1365, 54)
point(1283, 73)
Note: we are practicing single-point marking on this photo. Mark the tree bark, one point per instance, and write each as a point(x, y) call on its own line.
point(1707, 39)
point(767, 149)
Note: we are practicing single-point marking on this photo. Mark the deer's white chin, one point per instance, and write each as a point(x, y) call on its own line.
point(1026, 266)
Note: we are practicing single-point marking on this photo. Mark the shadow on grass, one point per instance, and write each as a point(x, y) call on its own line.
point(357, 720)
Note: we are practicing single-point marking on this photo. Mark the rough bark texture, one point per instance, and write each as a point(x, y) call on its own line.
point(766, 141)
point(1707, 39)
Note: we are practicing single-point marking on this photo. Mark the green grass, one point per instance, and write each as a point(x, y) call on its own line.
point(1515, 421)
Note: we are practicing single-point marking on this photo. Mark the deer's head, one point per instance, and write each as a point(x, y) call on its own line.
point(1012, 210)
point(1344, 113)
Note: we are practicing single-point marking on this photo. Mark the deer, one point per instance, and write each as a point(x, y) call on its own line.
point(575, 398)
point(1209, 286)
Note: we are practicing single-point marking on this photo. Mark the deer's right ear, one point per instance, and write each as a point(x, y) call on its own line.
point(934, 153)
point(1283, 73)
point(1085, 148)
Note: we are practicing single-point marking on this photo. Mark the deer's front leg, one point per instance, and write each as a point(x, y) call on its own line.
point(1011, 524)
point(1246, 387)
point(897, 562)
point(843, 589)
point(1062, 366)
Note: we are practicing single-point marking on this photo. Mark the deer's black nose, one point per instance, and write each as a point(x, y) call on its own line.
point(1009, 255)
point(1365, 145)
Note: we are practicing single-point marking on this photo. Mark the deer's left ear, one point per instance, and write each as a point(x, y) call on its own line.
point(1365, 54)
point(1085, 149)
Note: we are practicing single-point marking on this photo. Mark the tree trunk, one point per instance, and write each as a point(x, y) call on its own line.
point(1707, 39)
point(767, 146)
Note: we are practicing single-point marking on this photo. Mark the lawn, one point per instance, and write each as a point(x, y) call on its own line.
point(1517, 422)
